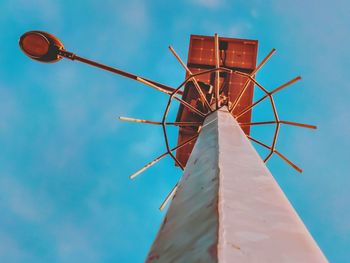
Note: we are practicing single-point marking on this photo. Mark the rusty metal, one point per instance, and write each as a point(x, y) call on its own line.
point(285, 85)
point(116, 71)
point(184, 124)
point(173, 95)
point(274, 110)
point(139, 120)
point(168, 197)
point(204, 73)
point(277, 152)
point(235, 55)
point(250, 78)
point(163, 123)
point(189, 106)
point(195, 82)
point(217, 65)
point(152, 85)
point(303, 125)
point(262, 63)
point(154, 161)
point(198, 124)
point(45, 47)
point(176, 123)
point(41, 46)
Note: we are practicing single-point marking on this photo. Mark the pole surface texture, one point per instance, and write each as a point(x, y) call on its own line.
point(229, 208)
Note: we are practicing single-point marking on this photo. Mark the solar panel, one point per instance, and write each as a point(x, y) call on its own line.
point(235, 54)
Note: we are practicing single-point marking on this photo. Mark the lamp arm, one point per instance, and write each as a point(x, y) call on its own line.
point(72, 56)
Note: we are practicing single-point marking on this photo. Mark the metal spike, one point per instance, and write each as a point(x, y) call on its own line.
point(172, 192)
point(161, 157)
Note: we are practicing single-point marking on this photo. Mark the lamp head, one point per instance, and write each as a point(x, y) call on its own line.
point(41, 46)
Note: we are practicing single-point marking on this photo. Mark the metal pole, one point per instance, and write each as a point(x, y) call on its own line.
point(228, 208)
point(72, 56)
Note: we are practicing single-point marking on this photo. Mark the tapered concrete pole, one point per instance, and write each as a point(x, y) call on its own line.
point(229, 208)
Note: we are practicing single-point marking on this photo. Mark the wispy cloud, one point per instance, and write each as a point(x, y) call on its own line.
point(43, 11)
point(10, 250)
point(239, 29)
point(75, 243)
point(9, 108)
point(136, 16)
point(21, 201)
point(148, 144)
point(209, 3)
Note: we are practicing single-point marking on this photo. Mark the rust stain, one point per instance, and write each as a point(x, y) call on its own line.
point(236, 247)
point(213, 251)
point(164, 222)
point(209, 205)
point(153, 257)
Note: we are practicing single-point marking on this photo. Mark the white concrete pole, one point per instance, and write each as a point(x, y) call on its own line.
point(229, 208)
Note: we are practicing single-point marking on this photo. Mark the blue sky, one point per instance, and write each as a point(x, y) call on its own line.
point(65, 159)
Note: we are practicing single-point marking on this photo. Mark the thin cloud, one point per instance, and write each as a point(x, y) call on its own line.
point(21, 201)
point(209, 3)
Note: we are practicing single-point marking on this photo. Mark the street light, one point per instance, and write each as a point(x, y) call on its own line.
point(44, 47)
point(41, 46)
